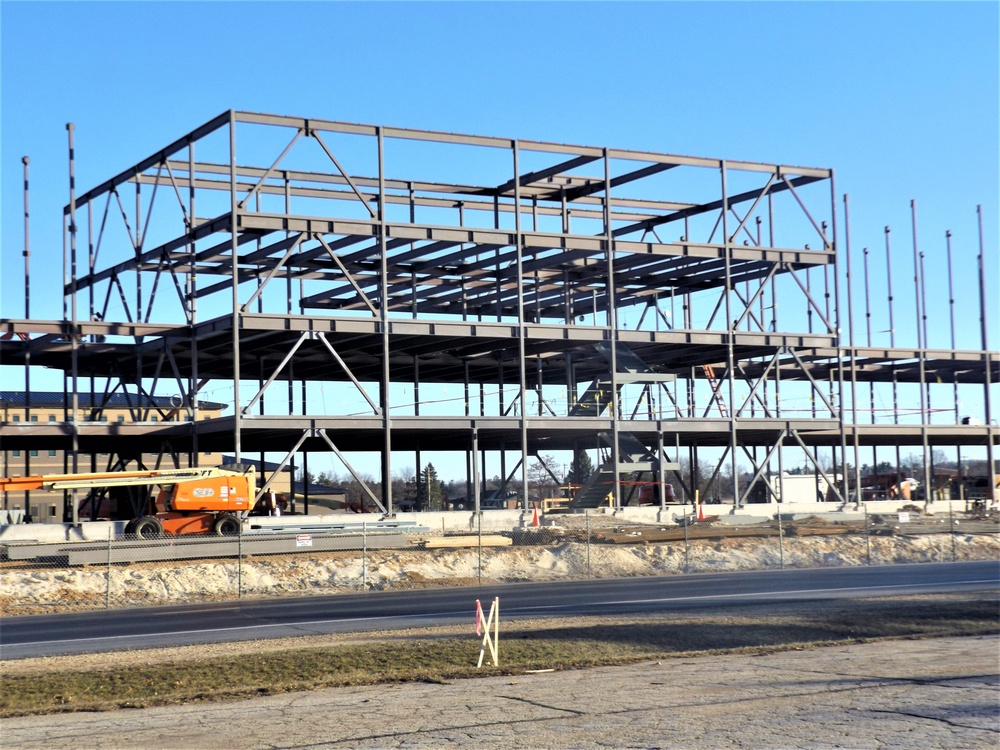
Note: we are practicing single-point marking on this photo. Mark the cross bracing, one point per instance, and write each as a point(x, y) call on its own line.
point(518, 271)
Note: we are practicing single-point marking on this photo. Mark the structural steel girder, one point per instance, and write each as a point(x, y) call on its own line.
point(333, 269)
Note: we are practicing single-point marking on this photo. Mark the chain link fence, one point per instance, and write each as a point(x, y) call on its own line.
point(466, 549)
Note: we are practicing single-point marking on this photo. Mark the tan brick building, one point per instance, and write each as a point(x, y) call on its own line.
point(47, 407)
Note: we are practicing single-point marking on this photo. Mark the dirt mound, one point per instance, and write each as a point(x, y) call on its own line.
point(44, 589)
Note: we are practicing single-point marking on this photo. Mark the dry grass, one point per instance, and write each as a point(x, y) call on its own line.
point(175, 676)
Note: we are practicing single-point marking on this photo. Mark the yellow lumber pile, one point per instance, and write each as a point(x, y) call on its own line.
point(491, 540)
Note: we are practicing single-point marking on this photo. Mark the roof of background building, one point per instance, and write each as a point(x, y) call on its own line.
point(55, 399)
point(268, 466)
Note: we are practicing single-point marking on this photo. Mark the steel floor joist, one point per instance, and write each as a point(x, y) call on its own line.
point(503, 266)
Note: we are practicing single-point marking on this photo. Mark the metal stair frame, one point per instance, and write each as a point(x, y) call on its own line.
point(634, 458)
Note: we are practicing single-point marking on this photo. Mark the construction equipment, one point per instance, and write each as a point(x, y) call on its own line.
point(554, 505)
point(189, 501)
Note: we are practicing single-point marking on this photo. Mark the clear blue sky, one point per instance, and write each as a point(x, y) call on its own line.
point(901, 98)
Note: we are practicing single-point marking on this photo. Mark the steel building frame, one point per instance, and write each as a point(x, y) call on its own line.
point(184, 270)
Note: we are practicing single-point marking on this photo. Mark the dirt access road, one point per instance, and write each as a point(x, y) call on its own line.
point(931, 693)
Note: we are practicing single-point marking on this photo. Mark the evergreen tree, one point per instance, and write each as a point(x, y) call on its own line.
point(582, 469)
point(431, 492)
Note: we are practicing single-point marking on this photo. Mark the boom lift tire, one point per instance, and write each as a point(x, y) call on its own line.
point(227, 525)
point(148, 527)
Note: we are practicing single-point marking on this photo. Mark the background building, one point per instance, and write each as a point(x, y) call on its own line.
point(44, 411)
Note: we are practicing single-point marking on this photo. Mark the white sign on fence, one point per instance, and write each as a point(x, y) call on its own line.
point(304, 540)
point(904, 517)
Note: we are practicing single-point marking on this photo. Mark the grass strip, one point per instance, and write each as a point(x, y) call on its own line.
point(573, 645)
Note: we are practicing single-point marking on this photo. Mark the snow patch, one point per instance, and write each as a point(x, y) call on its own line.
point(36, 590)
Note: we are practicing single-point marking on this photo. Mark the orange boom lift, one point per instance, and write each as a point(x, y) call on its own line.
point(189, 501)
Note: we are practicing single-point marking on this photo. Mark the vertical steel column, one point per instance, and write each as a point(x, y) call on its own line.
point(888, 279)
point(138, 251)
point(503, 472)
point(809, 314)
point(65, 317)
point(27, 339)
point(868, 339)
point(474, 464)
point(990, 429)
point(689, 394)
point(91, 263)
point(951, 298)
point(521, 328)
point(922, 355)
point(413, 276)
point(564, 214)
point(854, 355)
point(923, 300)
point(695, 470)
point(290, 388)
point(500, 383)
point(416, 385)
point(496, 225)
point(661, 479)
point(73, 515)
point(192, 303)
point(770, 242)
point(234, 250)
point(469, 471)
point(781, 466)
point(774, 327)
point(465, 385)
point(840, 340)
point(481, 460)
point(923, 320)
point(612, 322)
point(951, 321)
point(27, 245)
point(892, 337)
point(730, 334)
point(383, 282)
point(91, 268)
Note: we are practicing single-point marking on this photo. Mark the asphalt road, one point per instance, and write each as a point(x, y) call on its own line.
point(109, 630)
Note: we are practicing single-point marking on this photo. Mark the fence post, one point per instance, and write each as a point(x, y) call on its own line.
point(868, 539)
point(587, 517)
point(480, 561)
point(364, 555)
point(687, 559)
point(781, 543)
point(107, 590)
point(951, 516)
point(239, 562)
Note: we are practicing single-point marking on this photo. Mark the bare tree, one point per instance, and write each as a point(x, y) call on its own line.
point(540, 477)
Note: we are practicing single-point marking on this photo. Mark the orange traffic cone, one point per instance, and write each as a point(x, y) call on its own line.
point(701, 513)
point(534, 520)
